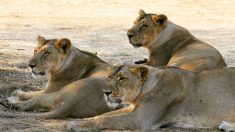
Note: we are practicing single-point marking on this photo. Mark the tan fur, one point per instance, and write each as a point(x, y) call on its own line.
point(172, 45)
point(168, 97)
point(76, 80)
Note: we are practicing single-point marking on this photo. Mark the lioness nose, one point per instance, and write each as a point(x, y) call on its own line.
point(107, 92)
point(32, 66)
point(130, 34)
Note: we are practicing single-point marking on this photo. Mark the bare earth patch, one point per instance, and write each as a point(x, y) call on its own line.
point(96, 26)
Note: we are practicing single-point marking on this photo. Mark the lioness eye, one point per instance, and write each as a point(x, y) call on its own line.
point(109, 78)
point(46, 53)
point(144, 26)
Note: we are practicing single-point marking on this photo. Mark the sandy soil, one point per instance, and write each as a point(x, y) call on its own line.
point(97, 26)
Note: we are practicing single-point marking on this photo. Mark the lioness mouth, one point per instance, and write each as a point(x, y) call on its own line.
point(113, 103)
point(40, 73)
point(118, 101)
point(137, 45)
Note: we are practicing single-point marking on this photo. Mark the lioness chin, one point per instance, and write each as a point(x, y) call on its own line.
point(76, 80)
point(172, 45)
point(164, 96)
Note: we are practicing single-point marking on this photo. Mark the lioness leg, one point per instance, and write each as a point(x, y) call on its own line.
point(60, 103)
point(108, 122)
point(140, 119)
point(129, 108)
point(227, 126)
point(27, 95)
point(47, 101)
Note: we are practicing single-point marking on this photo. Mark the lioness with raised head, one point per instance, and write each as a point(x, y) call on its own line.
point(172, 45)
point(165, 96)
point(76, 80)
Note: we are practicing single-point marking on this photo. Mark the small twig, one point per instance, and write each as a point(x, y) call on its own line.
point(4, 105)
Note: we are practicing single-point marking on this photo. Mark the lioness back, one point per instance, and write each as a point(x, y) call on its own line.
point(209, 100)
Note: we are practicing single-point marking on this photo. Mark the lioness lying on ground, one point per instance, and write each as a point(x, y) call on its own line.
point(172, 45)
point(63, 95)
point(165, 96)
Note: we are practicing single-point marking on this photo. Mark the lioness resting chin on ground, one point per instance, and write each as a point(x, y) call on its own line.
point(76, 80)
point(172, 45)
point(164, 96)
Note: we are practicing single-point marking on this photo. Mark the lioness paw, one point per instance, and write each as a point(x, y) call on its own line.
point(17, 92)
point(16, 103)
point(78, 126)
point(71, 125)
point(13, 100)
point(226, 126)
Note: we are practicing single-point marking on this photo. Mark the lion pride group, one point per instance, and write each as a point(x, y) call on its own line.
point(172, 88)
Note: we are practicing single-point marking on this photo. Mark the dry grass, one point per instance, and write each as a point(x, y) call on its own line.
point(97, 26)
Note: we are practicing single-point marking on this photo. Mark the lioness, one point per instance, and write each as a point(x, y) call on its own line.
point(64, 95)
point(165, 96)
point(172, 45)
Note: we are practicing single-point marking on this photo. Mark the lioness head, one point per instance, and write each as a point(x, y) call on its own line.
point(123, 89)
point(49, 55)
point(146, 28)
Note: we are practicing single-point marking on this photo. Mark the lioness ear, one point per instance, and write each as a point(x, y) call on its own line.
point(159, 19)
point(41, 40)
point(63, 44)
point(142, 72)
point(141, 12)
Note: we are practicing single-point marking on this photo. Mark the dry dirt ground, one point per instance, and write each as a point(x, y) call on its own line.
point(97, 26)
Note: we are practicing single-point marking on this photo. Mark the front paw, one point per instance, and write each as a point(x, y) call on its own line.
point(20, 93)
point(16, 103)
point(13, 100)
point(226, 126)
point(80, 126)
point(16, 92)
